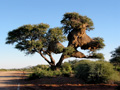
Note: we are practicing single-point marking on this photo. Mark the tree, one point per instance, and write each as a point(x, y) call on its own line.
point(45, 41)
point(115, 56)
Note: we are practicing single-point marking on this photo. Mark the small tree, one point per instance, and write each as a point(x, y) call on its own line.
point(115, 57)
point(45, 41)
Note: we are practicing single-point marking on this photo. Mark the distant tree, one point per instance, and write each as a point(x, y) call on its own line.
point(45, 41)
point(115, 56)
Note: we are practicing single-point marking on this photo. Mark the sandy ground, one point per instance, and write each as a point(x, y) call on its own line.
point(10, 80)
point(15, 80)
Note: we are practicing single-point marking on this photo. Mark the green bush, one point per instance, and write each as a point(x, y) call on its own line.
point(73, 62)
point(66, 66)
point(66, 71)
point(44, 73)
point(96, 72)
point(34, 76)
point(42, 67)
point(98, 55)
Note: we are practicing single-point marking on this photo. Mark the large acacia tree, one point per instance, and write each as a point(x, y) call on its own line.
point(45, 41)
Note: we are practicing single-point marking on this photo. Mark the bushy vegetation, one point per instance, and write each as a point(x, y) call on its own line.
point(96, 72)
point(89, 71)
point(3, 69)
point(115, 60)
point(44, 71)
point(98, 55)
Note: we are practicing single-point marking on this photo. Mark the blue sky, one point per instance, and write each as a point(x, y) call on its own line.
point(15, 13)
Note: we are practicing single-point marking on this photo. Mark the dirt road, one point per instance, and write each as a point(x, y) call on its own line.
point(10, 80)
point(14, 80)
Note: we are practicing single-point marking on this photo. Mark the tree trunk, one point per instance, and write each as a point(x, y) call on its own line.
point(58, 65)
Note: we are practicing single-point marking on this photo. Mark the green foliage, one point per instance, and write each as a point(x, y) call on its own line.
point(75, 21)
point(73, 63)
point(116, 52)
point(47, 73)
point(66, 66)
point(100, 42)
point(33, 38)
point(67, 69)
point(60, 48)
point(116, 56)
point(98, 55)
point(3, 69)
point(27, 32)
point(28, 38)
point(42, 67)
point(68, 51)
point(96, 72)
point(56, 34)
point(115, 60)
point(40, 71)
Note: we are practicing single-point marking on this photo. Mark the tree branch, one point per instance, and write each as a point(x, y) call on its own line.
point(61, 60)
point(51, 58)
point(44, 57)
point(76, 54)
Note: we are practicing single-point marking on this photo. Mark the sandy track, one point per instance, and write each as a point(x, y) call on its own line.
point(10, 80)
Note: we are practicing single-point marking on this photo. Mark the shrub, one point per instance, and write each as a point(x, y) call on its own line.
point(66, 71)
point(72, 63)
point(96, 72)
point(66, 66)
point(42, 67)
point(98, 55)
point(34, 76)
point(44, 73)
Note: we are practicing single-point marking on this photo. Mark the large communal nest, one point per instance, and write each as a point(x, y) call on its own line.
point(55, 47)
point(78, 38)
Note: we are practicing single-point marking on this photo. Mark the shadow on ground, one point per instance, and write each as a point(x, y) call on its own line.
point(17, 81)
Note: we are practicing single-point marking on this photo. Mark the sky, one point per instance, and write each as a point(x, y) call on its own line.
point(105, 15)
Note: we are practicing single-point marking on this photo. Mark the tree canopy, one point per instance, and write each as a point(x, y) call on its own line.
point(45, 41)
point(28, 38)
point(115, 56)
point(75, 21)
